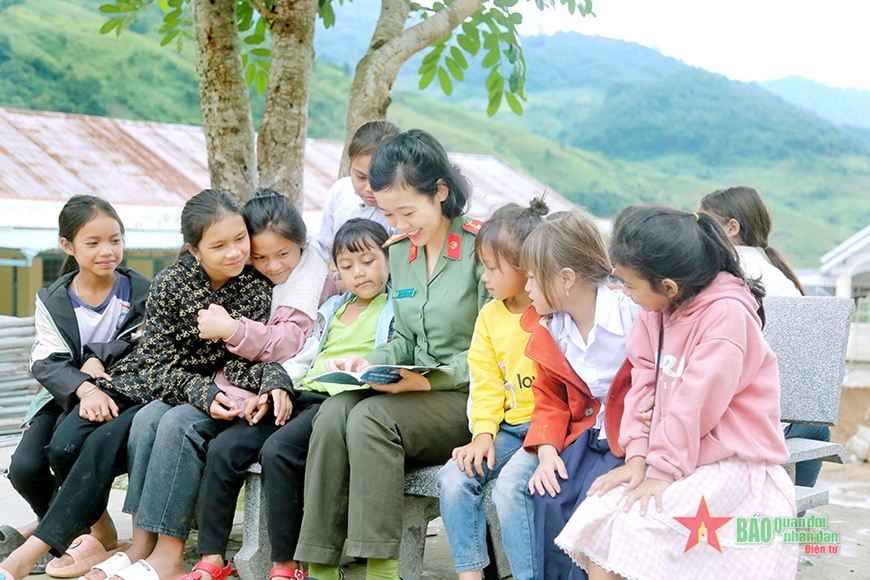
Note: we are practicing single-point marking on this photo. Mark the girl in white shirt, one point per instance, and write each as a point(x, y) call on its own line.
point(746, 221)
point(351, 197)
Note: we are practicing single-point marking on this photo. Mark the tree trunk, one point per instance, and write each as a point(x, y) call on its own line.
point(226, 108)
point(281, 141)
point(391, 47)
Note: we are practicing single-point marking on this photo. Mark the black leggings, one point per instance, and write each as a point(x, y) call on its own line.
point(86, 457)
point(283, 456)
point(29, 469)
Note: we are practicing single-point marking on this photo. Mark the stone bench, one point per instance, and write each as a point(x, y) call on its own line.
point(421, 507)
point(809, 336)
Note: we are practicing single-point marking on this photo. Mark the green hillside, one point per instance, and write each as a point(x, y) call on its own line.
point(847, 107)
point(53, 58)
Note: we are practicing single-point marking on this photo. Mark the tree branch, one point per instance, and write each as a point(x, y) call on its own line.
point(434, 28)
point(259, 7)
point(391, 23)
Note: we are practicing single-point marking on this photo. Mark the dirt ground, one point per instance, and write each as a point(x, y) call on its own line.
point(854, 404)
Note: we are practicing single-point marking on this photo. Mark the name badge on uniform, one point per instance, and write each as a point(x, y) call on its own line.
point(404, 293)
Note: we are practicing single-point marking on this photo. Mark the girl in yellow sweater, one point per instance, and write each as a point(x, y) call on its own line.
point(500, 407)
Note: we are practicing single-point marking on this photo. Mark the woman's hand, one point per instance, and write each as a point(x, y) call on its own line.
point(283, 405)
point(255, 408)
point(410, 382)
point(645, 412)
point(94, 367)
point(95, 405)
point(215, 323)
point(352, 363)
point(644, 492)
point(470, 457)
point(631, 474)
point(544, 478)
point(224, 408)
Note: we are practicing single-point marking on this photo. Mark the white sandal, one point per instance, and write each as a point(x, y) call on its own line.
point(141, 570)
point(113, 565)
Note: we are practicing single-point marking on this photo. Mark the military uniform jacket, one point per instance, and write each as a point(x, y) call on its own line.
point(171, 362)
point(434, 318)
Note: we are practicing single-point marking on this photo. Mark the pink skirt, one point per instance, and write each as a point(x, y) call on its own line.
point(654, 547)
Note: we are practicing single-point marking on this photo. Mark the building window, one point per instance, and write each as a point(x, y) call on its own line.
point(51, 268)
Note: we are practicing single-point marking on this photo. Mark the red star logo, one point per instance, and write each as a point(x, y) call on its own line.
point(701, 525)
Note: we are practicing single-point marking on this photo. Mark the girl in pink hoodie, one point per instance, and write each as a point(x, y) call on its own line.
point(712, 453)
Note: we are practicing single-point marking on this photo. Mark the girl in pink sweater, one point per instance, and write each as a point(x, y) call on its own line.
point(713, 449)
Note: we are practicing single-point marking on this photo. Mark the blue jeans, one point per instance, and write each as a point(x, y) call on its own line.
point(516, 514)
point(807, 472)
point(462, 502)
point(166, 457)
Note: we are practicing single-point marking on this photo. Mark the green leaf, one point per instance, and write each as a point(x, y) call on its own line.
point(426, 79)
point(514, 103)
point(261, 27)
point(491, 59)
point(254, 39)
point(261, 82)
point(459, 57)
point(515, 18)
point(168, 38)
point(497, 86)
point(492, 79)
point(433, 55)
point(444, 79)
point(244, 60)
point(494, 104)
point(109, 8)
point(454, 69)
point(327, 14)
point(437, 6)
point(109, 25)
point(164, 5)
point(175, 3)
point(264, 64)
point(468, 45)
point(499, 17)
point(261, 52)
point(250, 73)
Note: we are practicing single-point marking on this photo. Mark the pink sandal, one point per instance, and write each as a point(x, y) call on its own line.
point(215, 572)
point(4, 575)
point(291, 573)
point(85, 551)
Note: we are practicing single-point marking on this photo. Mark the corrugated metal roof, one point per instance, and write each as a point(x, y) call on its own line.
point(53, 156)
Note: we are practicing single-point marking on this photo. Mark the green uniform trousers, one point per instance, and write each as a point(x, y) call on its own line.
point(355, 476)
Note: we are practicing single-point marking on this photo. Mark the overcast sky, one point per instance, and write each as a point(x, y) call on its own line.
point(747, 40)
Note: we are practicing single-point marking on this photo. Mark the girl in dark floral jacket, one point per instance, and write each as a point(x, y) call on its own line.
point(170, 363)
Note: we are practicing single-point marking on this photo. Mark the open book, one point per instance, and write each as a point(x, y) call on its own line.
point(378, 375)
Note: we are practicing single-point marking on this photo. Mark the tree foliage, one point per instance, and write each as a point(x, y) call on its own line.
point(491, 31)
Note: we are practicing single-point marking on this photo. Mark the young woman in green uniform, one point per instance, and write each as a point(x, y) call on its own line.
point(355, 475)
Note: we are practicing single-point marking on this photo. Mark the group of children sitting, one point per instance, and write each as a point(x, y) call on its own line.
point(607, 388)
